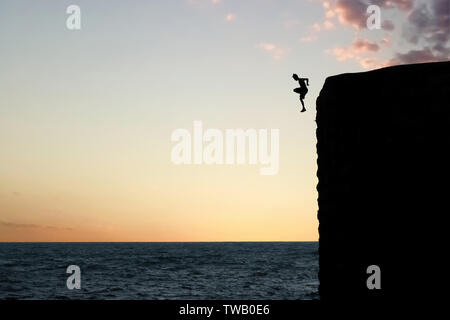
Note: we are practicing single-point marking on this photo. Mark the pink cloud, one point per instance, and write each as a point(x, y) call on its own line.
point(276, 52)
point(328, 25)
point(230, 17)
point(353, 12)
point(316, 26)
point(356, 51)
point(425, 29)
point(308, 38)
point(367, 63)
point(361, 45)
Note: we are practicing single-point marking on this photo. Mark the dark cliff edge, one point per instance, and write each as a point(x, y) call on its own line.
point(383, 144)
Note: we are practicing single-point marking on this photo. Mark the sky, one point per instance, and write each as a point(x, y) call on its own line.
point(86, 115)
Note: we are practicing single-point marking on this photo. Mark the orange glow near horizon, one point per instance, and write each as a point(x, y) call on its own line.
point(211, 207)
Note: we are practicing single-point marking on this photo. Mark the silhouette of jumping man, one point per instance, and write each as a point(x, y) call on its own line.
point(302, 90)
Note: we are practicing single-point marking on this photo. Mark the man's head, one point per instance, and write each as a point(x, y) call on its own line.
point(295, 76)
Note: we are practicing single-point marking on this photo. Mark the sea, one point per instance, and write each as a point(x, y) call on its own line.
point(157, 270)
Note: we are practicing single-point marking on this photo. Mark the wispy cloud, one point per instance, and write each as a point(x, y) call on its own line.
point(230, 17)
point(314, 30)
point(353, 12)
point(275, 51)
point(328, 25)
point(363, 45)
point(32, 226)
point(356, 52)
point(308, 38)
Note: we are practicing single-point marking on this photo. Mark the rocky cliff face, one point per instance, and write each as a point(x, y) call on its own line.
point(383, 168)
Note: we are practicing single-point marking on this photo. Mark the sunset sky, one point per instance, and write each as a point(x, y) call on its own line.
point(86, 115)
